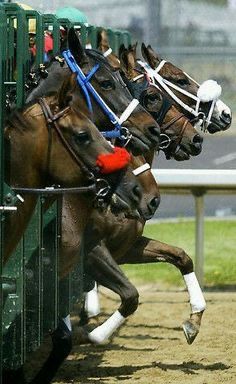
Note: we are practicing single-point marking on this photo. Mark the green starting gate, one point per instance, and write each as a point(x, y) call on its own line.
point(32, 298)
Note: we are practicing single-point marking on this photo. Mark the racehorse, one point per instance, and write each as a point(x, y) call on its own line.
point(147, 250)
point(120, 234)
point(102, 94)
point(63, 147)
point(199, 102)
point(71, 232)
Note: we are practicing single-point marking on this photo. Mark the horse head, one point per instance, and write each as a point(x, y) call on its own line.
point(107, 83)
point(200, 102)
point(65, 148)
point(179, 139)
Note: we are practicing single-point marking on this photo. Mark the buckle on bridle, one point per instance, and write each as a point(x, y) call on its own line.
point(125, 135)
point(102, 188)
point(165, 143)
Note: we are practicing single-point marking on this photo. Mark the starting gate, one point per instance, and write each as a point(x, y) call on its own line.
point(32, 297)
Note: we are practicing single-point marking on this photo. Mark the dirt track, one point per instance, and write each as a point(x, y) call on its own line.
point(151, 347)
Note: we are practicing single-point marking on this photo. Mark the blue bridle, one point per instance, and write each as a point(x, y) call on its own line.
point(88, 89)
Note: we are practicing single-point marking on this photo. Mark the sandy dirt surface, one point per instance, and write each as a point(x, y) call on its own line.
point(151, 347)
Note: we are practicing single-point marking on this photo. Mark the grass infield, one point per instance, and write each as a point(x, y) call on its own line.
point(219, 254)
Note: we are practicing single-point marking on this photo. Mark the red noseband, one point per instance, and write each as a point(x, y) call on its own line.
point(111, 162)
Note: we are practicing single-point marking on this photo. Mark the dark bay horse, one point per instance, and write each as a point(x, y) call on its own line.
point(108, 84)
point(73, 223)
point(121, 235)
point(199, 102)
point(51, 142)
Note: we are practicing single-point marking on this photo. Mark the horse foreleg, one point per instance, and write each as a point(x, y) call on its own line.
point(146, 250)
point(91, 304)
point(62, 344)
point(100, 265)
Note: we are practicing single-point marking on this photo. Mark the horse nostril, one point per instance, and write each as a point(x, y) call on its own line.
point(197, 139)
point(226, 114)
point(154, 203)
point(226, 117)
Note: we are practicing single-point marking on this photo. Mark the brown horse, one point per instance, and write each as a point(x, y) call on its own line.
point(108, 84)
point(63, 146)
point(179, 84)
point(107, 237)
point(106, 266)
point(122, 237)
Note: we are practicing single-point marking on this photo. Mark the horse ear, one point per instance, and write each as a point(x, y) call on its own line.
point(150, 56)
point(102, 41)
point(128, 60)
point(75, 46)
point(123, 56)
point(66, 91)
point(133, 48)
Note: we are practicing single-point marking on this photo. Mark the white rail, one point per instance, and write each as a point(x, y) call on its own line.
point(198, 182)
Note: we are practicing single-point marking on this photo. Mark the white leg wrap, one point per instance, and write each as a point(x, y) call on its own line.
point(101, 334)
point(67, 322)
point(197, 300)
point(92, 305)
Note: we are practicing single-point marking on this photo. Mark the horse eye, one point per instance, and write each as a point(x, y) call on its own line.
point(182, 82)
point(82, 138)
point(153, 97)
point(106, 85)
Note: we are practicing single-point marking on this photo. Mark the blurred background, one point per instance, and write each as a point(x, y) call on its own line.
point(199, 37)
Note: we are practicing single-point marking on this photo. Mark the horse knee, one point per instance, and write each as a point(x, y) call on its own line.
point(130, 302)
point(185, 262)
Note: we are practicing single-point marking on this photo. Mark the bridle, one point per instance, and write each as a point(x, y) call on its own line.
point(168, 145)
point(84, 82)
point(203, 118)
point(52, 123)
point(99, 186)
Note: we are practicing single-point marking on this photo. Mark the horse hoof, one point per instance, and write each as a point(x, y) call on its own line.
point(190, 331)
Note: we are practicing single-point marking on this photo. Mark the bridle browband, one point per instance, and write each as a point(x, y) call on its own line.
point(88, 89)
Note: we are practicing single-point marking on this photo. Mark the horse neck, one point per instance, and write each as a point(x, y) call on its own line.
point(149, 156)
point(24, 148)
point(15, 224)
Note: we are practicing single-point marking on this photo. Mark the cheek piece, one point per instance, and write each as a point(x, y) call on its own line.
point(111, 162)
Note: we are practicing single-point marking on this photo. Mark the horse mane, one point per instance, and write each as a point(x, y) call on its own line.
point(52, 82)
point(98, 55)
point(17, 119)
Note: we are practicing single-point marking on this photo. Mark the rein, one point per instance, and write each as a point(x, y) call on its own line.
point(87, 88)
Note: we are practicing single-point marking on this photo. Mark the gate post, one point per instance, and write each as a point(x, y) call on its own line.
point(2, 113)
point(199, 234)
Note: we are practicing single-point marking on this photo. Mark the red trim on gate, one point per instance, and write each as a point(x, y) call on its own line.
point(111, 162)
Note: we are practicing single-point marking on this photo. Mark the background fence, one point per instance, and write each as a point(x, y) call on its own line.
point(198, 183)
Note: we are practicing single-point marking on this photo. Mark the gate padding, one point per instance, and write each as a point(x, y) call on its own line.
point(32, 296)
